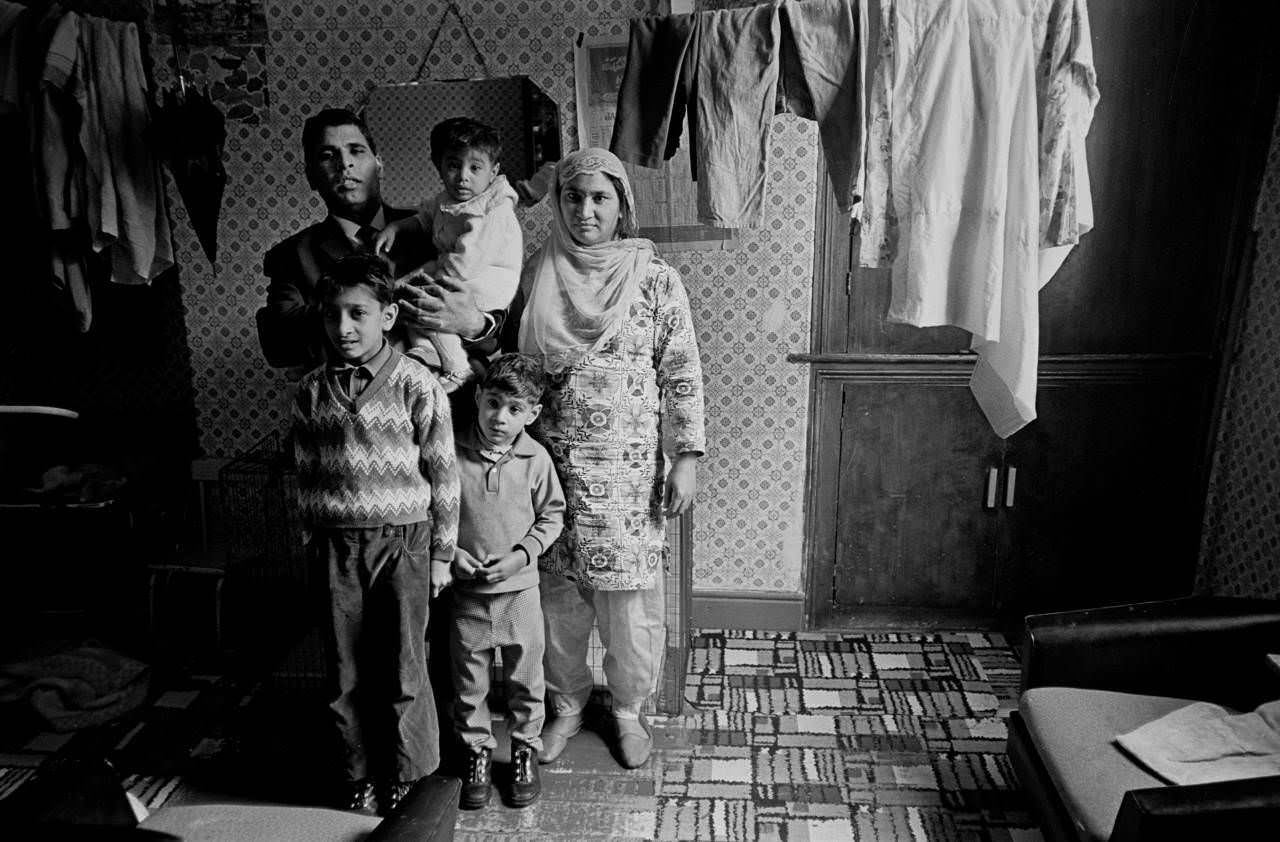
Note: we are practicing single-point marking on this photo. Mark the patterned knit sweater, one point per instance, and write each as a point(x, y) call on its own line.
point(386, 457)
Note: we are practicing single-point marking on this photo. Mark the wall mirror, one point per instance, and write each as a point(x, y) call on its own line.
point(401, 118)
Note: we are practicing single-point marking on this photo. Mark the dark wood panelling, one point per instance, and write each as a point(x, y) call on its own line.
point(1102, 510)
point(915, 457)
point(1181, 94)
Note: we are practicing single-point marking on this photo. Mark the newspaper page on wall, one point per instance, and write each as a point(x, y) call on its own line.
point(666, 200)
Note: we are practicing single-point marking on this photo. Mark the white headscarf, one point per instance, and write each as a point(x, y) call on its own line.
point(577, 296)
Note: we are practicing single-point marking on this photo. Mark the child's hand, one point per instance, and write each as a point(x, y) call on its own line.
point(500, 567)
point(441, 577)
point(465, 565)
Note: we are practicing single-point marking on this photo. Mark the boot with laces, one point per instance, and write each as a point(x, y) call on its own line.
point(478, 785)
point(525, 784)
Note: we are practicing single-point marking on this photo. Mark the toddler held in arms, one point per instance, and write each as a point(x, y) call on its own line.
point(474, 227)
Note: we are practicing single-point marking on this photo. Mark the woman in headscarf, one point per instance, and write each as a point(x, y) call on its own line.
point(623, 419)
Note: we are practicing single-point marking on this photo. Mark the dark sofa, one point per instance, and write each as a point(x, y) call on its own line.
point(1090, 675)
point(82, 798)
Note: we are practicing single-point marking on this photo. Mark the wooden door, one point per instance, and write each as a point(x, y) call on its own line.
point(1097, 506)
point(915, 457)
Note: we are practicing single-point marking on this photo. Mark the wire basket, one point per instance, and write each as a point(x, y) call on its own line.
point(267, 574)
point(259, 493)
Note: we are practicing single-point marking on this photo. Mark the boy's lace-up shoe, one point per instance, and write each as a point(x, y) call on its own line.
point(356, 796)
point(634, 742)
point(391, 796)
point(525, 784)
point(478, 785)
point(557, 735)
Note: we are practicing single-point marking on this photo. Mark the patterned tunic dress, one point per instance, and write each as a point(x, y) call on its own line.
point(612, 423)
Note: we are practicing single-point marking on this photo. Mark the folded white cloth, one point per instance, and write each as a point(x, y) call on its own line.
point(1203, 742)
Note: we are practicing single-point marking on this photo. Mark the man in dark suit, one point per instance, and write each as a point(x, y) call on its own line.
point(342, 165)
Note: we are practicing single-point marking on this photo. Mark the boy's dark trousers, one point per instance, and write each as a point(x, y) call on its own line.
point(377, 583)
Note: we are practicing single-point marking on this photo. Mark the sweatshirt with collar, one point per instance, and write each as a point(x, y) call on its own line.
point(513, 501)
point(384, 457)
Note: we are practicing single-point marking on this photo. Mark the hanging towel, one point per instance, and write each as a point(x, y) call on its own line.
point(956, 199)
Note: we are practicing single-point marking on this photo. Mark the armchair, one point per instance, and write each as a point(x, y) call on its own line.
point(1090, 675)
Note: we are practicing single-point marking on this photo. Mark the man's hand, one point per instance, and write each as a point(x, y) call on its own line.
point(439, 304)
point(499, 568)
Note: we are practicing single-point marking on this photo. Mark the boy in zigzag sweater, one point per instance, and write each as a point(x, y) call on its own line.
point(378, 493)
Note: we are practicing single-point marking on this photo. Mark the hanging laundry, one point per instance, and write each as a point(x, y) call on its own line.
point(98, 166)
point(737, 87)
point(823, 59)
point(62, 167)
point(189, 132)
point(975, 167)
point(11, 33)
point(656, 87)
point(722, 70)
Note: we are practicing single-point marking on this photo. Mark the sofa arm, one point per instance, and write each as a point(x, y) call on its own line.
point(427, 814)
point(1208, 648)
point(1235, 810)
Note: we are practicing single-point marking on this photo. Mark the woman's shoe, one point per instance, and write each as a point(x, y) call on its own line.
point(634, 741)
point(557, 735)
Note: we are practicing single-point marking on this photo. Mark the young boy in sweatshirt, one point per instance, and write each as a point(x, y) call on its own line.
point(378, 493)
point(512, 510)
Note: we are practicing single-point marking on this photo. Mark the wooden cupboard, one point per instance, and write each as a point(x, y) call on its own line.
point(913, 500)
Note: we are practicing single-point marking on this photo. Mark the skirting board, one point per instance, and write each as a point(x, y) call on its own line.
point(747, 610)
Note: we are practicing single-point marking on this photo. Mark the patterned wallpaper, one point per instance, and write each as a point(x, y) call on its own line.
point(1240, 546)
point(751, 302)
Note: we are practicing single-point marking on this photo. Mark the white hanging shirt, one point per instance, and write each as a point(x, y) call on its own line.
point(976, 177)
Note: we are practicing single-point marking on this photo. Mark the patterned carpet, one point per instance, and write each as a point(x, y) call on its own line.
point(803, 737)
point(786, 737)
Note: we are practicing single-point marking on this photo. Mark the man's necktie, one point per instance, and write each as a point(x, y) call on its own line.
point(366, 235)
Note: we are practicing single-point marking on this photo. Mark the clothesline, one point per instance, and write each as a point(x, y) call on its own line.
point(962, 163)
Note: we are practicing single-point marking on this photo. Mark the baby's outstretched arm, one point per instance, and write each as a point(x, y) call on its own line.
point(386, 238)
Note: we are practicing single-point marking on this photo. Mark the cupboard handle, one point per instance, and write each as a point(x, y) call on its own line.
point(993, 480)
point(1010, 482)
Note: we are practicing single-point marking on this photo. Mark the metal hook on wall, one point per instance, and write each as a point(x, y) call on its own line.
point(452, 6)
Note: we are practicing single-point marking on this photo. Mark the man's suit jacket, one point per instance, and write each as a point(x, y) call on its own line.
point(289, 326)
